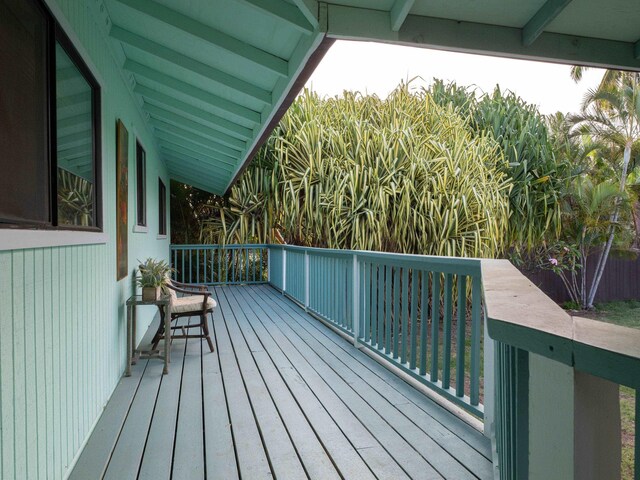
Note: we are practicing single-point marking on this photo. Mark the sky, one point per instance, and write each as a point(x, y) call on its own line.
point(377, 68)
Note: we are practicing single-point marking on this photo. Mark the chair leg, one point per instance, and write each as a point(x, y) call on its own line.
point(159, 332)
point(205, 328)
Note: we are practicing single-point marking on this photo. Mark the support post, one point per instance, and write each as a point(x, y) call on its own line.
point(284, 271)
point(356, 301)
point(306, 281)
point(268, 265)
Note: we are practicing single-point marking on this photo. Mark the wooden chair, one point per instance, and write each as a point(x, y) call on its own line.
point(196, 302)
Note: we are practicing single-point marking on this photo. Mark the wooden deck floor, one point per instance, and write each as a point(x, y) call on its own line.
point(283, 396)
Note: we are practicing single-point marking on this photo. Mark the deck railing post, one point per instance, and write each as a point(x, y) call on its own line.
point(306, 280)
point(355, 298)
point(268, 264)
point(284, 270)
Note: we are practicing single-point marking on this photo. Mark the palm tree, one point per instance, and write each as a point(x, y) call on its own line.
point(611, 115)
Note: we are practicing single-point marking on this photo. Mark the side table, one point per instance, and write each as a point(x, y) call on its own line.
point(132, 353)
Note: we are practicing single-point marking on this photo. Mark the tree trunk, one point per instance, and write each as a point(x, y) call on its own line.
point(597, 275)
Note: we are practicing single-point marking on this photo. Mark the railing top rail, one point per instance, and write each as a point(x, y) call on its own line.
point(469, 266)
point(520, 314)
point(203, 246)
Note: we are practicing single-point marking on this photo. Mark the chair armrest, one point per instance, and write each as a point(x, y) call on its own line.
point(187, 286)
point(206, 293)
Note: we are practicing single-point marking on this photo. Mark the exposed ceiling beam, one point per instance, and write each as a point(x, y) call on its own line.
point(82, 138)
point(223, 123)
point(479, 38)
point(309, 9)
point(73, 121)
point(181, 142)
point(195, 170)
point(399, 12)
point(543, 17)
point(201, 166)
point(284, 11)
point(197, 93)
point(185, 122)
point(185, 62)
point(161, 126)
point(210, 35)
point(196, 184)
point(197, 149)
point(186, 152)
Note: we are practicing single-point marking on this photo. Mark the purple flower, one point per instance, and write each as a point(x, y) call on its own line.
point(553, 261)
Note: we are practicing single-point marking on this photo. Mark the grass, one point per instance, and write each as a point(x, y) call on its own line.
point(626, 314)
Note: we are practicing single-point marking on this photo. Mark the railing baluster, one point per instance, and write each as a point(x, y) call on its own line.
point(374, 307)
point(414, 319)
point(461, 333)
point(387, 321)
point(424, 320)
point(355, 298)
point(404, 315)
point(435, 324)
point(197, 265)
point(367, 301)
point(380, 307)
point(476, 335)
point(183, 251)
point(446, 333)
point(175, 263)
point(396, 312)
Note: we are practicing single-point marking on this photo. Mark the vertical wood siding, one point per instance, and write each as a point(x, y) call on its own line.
point(62, 315)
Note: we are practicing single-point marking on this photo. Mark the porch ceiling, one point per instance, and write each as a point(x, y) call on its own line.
point(213, 77)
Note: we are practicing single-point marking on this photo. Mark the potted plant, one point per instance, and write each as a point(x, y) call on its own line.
point(153, 275)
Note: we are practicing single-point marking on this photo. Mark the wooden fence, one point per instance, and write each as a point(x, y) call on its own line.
point(620, 281)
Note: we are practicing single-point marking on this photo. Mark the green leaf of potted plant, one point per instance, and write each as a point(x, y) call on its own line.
point(152, 276)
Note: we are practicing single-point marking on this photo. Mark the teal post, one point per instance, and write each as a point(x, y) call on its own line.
point(435, 324)
point(414, 319)
point(462, 323)
point(387, 286)
point(446, 331)
point(476, 336)
point(396, 312)
point(424, 320)
point(404, 315)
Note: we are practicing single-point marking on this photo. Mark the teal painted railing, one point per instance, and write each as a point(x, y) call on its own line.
point(420, 313)
point(220, 264)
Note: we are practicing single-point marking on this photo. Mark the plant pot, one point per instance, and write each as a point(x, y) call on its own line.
point(150, 294)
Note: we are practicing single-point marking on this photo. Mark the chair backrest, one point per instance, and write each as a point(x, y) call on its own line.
point(167, 289)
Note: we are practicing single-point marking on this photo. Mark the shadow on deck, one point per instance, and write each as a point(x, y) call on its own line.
point(282, 396)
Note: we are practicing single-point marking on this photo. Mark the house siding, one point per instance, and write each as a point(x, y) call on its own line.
point(62, 315)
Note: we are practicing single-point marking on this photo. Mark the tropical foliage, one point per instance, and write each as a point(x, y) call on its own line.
point(402, 174)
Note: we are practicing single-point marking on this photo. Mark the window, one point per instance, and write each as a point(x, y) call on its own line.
point(49, 119)
point(162, 208)
point(141, 186)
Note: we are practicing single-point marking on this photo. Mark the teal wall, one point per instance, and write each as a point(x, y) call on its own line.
point(62, 318)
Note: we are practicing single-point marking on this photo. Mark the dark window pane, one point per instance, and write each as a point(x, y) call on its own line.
point(141, 186)
point(24, 185)
point(74, 142)
point(162, 208)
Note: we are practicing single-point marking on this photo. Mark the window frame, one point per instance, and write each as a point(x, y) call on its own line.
point(56, 35)
point(162, 209)
point(141, 194)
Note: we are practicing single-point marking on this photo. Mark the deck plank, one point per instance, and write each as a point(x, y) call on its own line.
point(282, 396)
point(95, 456)
point(220, 455)
point(446, 419)
point(426, 442)
point(312, 454)
point(283, 456)
point(252, 458)
point(344, 455)
point(127, 455)
point(158, 455)
point(401, 450)
point(188, 457)
point(364, 440)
